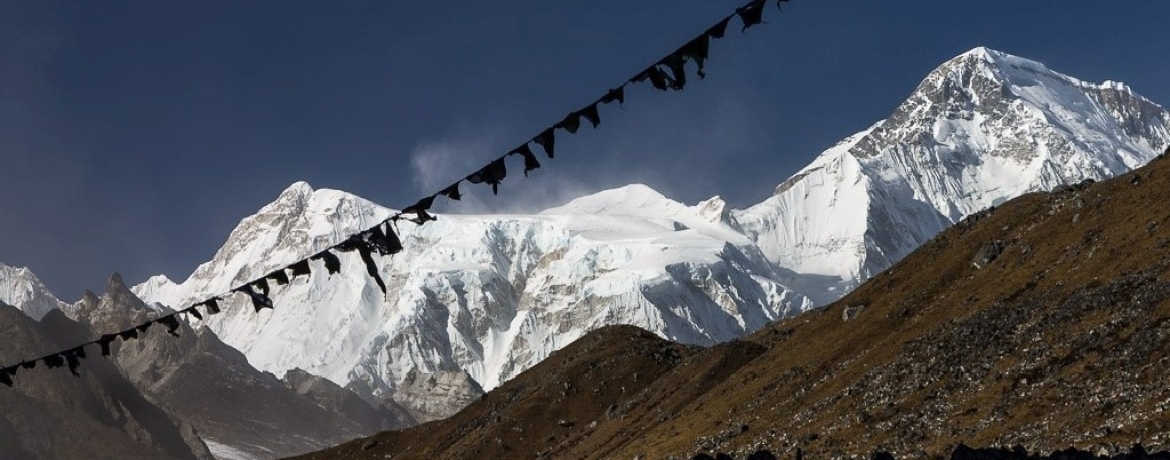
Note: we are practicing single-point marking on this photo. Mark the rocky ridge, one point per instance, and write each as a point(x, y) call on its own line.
point(222, 405)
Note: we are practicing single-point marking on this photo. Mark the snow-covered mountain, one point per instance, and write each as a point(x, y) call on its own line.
point(982, 128)
point(20, 288)
point(474, 300)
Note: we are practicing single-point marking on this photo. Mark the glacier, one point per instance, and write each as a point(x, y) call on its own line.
point(474, 300)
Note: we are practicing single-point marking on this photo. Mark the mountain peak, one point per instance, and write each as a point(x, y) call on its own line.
point(629, 199)
point(117, 308)
point(297, 190)
point(292, 200)
point(1014, 71)
point(116, 282)
point(16, 272)
point(22, 289)
point(980, 52)
point(983, 75)
point(986, 56)
point(299, 222)
point(118, 292)
point(713, 209)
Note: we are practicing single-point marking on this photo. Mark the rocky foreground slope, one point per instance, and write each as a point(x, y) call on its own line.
point(1043, 322)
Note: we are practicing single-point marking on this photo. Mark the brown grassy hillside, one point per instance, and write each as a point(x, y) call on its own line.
point(1061, 339)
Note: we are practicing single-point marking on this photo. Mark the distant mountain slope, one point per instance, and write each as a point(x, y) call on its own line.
point(234, 407)
point(193, 384)
point(1044, 322)
point(49, 414)
point(475, 300)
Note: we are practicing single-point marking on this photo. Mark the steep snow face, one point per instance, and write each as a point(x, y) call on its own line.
point(20, 288)
point(300, 222)
point(221, 397)
point(981, 129)
point(484, 297)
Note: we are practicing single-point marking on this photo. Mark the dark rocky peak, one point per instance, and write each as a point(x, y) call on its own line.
point(116, 309)
point(118, 294)
point(88, 300)
point(21, 338)
point(115, 281)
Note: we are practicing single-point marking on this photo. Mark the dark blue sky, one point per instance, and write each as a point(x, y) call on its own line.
point(135, 135)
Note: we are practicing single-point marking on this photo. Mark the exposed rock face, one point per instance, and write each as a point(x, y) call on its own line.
point(437, 396)
point(331, 397)
point(987, 254)
point(116, 309)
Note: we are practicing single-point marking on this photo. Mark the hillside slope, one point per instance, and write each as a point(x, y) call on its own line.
point(49, 414)
point(240, 412)
point(1045, 322)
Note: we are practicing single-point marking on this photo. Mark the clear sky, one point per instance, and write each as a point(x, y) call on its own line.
point(135, 135)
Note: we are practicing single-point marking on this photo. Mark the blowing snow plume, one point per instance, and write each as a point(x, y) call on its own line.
point(433, 163)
